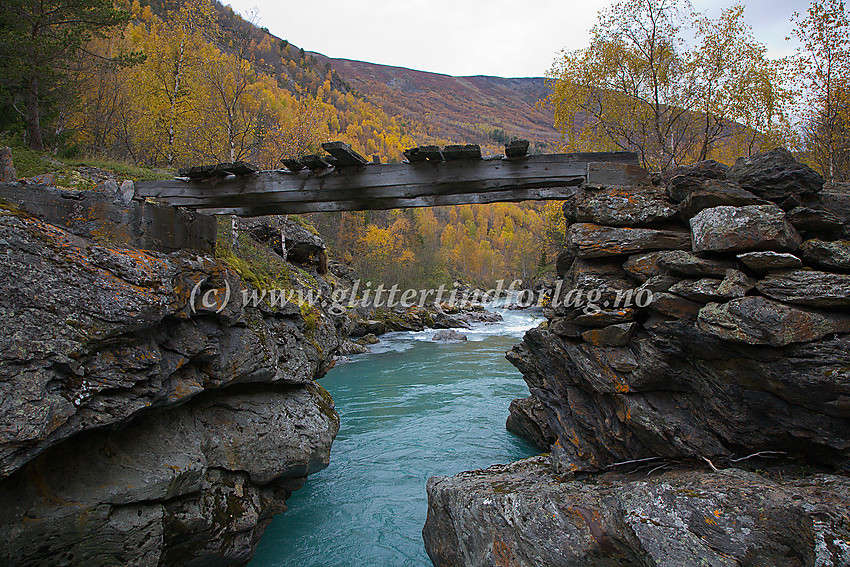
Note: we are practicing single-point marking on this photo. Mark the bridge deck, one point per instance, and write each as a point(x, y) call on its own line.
point(373, 186)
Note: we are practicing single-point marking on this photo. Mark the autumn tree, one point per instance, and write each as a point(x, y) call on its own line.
point(37, 40)
point(824, 64)
point(640, 87)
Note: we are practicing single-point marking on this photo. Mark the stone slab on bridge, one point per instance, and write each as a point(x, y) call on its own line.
point(345, 181)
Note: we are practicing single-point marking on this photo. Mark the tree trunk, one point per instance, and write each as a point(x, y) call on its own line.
point(33, 121)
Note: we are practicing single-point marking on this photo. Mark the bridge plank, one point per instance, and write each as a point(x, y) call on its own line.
point(426, 183)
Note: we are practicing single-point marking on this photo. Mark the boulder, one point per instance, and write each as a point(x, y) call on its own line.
point(735, 284)
point(589, 240)
point(766, 261)
point(528, 420)
point(350, 348)
point(681, 181)
point(448, 335)
point(645, 266)
point(524, 514)
point(368, 327)
point(807, 287)
point(659, 283)
point(302, 246)
point(775, 175)
point(562, 327)
point(715, 193)
point(612, 335)
point(619, 206)
point(736, 229)
point(760, 321)
point(835, 198)
point(818, 221)
point(833, 255)
point(367, 339)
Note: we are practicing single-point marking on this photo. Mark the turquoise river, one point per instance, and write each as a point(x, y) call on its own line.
point(409, 410)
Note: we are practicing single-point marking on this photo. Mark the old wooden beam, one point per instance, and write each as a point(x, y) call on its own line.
point(344, 154)
point(218, 170)
point(399, 185)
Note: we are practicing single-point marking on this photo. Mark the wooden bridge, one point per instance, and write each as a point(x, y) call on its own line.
point(345, 181)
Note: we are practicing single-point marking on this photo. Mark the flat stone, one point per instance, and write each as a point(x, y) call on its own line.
point(620, 206)
point(674, 306)
point(735, 229)
point(621, 359)
point(806, 219)
point(760, 321)
point(604, 317)
point(767, 260)
point(775, 175)
point(659, 283)
point(595, 241)
point(645, 266)
point(689, 264)
point(807, 287)
point(828, 254)
point(612, 335)
point(703, 290)
point(715, 193)
point(448, 335)
point(735, 284)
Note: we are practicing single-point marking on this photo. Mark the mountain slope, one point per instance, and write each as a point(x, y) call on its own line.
point(479, 109)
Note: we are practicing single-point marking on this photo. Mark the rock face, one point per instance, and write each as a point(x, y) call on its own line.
point(522, 514)
point(148, 414)
point(735, 349)
point(528, 419)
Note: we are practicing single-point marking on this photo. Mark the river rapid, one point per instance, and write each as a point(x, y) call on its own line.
point(409, 410)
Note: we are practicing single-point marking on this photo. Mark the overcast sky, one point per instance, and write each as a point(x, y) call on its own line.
point(507, 38)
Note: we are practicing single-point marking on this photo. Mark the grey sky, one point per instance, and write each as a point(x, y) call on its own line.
point(471, 37)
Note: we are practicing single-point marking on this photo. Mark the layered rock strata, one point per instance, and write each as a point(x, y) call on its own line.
point(148, 415)
point(689, 343)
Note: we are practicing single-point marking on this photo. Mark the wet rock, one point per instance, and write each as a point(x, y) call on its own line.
point(736, 229)
point(595, 241)
point(367, 339)
point(766, 261)
point(760, 321)
point(715, 193)
point(674, 306)
point(350, 348)
point(775, 175)
point(681, 181)
point(619, 206)
point(817, 221)
point(368, 327)
point(523, 514)
point(834, 255)
point(807, 287)
point(528, 420)
point(449, 335)
point(612, 335)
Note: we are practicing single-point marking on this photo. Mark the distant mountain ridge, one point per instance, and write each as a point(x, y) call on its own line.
point(476, 109)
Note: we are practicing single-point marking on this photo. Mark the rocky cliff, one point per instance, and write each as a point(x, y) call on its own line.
point(147, 415)
point(694, 374)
